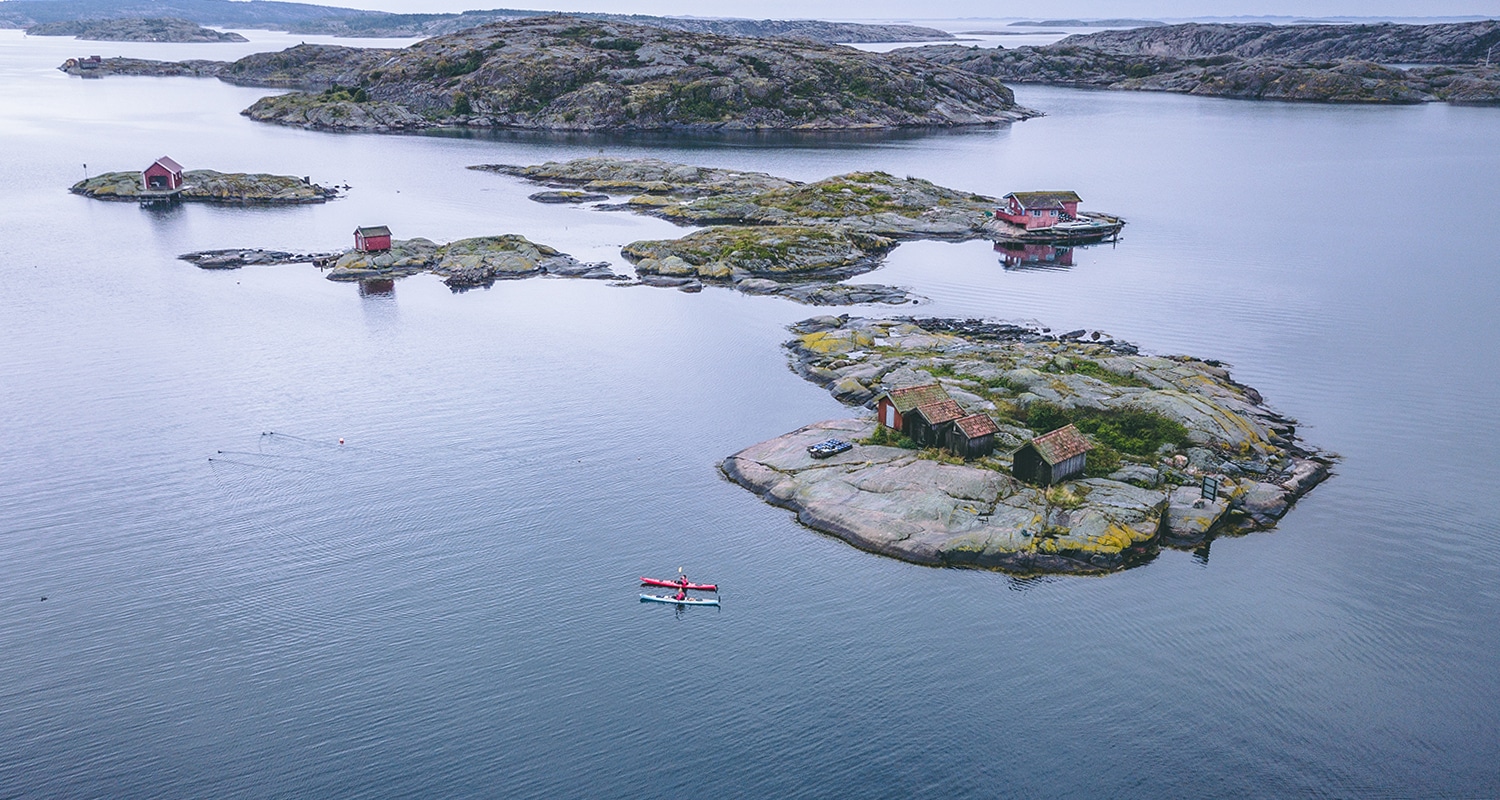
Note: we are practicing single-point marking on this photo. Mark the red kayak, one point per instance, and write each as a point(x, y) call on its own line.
point(702, 587)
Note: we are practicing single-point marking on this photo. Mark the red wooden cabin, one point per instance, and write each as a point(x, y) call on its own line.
point(372, 239)
point(163, 175)
point(1038, 209)
point(892, 407)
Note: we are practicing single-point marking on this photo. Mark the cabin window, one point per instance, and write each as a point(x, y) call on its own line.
point(1037, 212)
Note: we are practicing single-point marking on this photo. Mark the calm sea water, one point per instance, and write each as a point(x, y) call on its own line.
point(238, 606)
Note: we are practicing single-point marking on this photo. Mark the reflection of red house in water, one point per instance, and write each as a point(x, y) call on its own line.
point(1034, 255)
point(1033, 210)
point(163, 175)
point(372, 239)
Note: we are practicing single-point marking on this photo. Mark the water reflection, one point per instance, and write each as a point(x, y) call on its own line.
point(379, 288)
point(163, 212)
point(1015, 255)
point(377, 298)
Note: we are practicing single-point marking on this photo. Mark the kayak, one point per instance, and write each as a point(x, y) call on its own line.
point(702, 587)
point(691, 601)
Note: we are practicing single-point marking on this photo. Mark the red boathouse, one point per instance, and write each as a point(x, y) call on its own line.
point(164, 175)
point(1034, 210)
point(372, 239)
point(892, 407)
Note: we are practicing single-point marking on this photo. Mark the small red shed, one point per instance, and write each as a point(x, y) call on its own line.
point(163, 175)
point(372, 239)
point(1038, 209)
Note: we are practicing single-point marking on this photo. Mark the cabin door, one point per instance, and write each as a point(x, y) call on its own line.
point(890, 417)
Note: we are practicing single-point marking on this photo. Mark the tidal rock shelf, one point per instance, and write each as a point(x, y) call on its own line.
point(1158, 424)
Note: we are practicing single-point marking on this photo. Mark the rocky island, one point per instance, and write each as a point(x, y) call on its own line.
point(465, 264)
point(1317, 63)
point(567, 73)
point(771, 235)
point(1158, 426)
point(358, 23)
point(134, 29)
point(209, 186)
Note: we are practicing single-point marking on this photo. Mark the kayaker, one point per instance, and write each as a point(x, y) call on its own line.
point(681, 595)
point(682, 584)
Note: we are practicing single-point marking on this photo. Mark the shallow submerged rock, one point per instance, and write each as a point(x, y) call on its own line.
point(236, 258)
point(563, 196)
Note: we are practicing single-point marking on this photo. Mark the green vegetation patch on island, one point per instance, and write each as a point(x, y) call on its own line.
point(1157, 425)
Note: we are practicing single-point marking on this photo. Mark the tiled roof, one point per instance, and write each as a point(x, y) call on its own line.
point(938, 412)
point(977, 425)
point(1045, 199)
point(1061, 445)
point(376, 230)
point(167, 162)
point(909, 397)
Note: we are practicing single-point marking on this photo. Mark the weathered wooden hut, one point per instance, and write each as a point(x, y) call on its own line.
point(164, 175)
point(372, 239)
point(972, 436)
point(1033, 210)
point(892, 407)
point(929, 423)
point(1053, 457)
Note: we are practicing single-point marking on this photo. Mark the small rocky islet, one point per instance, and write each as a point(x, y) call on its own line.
point(474, 262)
point(134, 29)
point(210, 186)
point(1158, 424)
point(766, 234)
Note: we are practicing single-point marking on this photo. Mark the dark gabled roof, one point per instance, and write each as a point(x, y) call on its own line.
point(909, 397)
point(373, 230)
point(940, 411)
point(977, 425)
point(1045, 199)
point(166, 161)
point(1060, 445)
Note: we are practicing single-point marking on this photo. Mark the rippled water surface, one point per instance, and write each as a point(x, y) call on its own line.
point(238, 606)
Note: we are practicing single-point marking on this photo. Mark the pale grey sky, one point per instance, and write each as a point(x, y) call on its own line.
point(936, 9)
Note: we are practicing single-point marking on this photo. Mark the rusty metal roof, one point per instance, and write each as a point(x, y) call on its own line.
point(977, 425)
point(909, 397)
point(1061, 445)
point(1045, 199)
point(373, 230)
point(166, 161)
point(940, 411)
